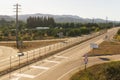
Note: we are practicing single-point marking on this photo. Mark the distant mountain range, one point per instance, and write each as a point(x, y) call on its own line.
point(58, 18)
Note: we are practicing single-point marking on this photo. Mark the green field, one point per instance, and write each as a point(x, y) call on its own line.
point(106, 71)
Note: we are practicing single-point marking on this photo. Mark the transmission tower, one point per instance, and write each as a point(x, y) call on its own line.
point(17, 7)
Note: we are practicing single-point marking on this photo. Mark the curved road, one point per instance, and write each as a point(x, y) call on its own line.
point(60, 66)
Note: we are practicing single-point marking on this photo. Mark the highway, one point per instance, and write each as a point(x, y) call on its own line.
point(59, 65)
point(14, 60)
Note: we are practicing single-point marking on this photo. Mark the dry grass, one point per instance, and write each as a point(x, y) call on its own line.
point(31, 45)
point(105, 71)
point(106, 48)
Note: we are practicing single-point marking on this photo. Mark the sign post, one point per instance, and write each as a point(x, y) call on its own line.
point(10, 68)
point(85, 60)
point(27, 60)
point(19, 65)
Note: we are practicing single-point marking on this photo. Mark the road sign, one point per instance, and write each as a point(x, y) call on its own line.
point(60, 34)
point(94, 46)
point(86, 59)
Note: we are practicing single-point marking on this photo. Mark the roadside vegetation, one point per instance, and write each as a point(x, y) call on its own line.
point(117, 36)
point(106, 48)
point(106, 71)
point(29, 30)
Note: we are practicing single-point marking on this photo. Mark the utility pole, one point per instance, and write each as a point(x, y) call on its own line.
point(93, 20)
point(114, 23)
point(106, 23)
point(106, 20)
point(16, 23)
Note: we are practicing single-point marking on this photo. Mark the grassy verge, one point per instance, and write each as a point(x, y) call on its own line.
point(117, 36)
point(31, 45)
point(106, 71)
point(106, 48)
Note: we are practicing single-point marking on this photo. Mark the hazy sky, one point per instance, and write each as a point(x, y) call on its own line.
point(82, 8)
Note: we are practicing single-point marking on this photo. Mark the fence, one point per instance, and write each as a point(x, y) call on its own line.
point(16, 62)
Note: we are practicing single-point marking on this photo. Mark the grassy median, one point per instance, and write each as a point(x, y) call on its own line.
point(106, 48)
point(106, 71)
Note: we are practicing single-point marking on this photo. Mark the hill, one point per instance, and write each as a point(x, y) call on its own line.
point(62, 18)
point(58, 18)
point(5, 17)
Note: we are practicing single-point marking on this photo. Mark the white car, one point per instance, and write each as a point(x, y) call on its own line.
point(20, 54)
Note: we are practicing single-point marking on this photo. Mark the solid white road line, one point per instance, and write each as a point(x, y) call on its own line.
point(60, 78)
point(52, 61)
point(40, 67)
point(61, 57)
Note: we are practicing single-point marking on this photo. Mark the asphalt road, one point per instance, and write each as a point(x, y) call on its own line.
point(59, 66)
point(29, 55)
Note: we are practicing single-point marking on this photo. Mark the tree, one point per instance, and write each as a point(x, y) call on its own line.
point(84, 30)
point(33, 22)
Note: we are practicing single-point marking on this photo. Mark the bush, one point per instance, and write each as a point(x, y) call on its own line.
point(106, 71)
point(118, 32)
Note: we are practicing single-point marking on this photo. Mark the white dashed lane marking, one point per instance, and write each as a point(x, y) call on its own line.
point(52, 61)
point(61, 57)
point(23, 75)
point(40, 67)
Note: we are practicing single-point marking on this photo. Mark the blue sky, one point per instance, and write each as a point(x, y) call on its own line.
point(82, 8)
